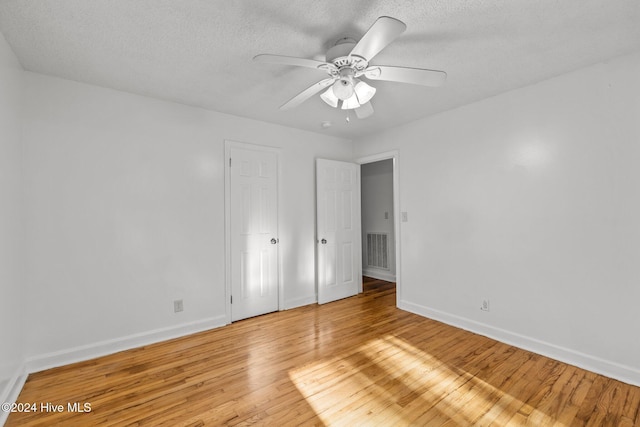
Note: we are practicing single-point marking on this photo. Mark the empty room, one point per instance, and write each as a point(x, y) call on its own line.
point(334, 213)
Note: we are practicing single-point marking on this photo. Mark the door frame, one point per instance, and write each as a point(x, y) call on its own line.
point(393, 155)
point(228, 145)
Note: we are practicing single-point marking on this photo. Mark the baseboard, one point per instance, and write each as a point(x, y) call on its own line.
point(12, 390)
point(104, 348)
point(379, 275)
point(604, 367)
point(299, 302)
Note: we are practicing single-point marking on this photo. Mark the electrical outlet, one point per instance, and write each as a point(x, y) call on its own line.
point(405, 216)
point(485, 304)
point(177, 306)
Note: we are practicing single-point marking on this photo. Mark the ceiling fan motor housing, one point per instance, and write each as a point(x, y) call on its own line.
point(340, 55)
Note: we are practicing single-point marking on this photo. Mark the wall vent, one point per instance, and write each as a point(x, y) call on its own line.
point(378, 250)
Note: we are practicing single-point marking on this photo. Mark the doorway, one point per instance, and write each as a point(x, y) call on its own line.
point(378, 231)
point(381, 255)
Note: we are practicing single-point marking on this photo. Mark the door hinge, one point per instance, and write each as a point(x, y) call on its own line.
point(231, 299)
point(229, 161)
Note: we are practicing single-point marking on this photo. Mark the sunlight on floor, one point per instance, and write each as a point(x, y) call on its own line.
point(390, 382)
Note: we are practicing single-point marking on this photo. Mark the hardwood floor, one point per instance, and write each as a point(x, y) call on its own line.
point(358, 361)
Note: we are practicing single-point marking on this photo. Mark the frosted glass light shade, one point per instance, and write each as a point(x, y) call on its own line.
point(330, 98)
point(364, 92)
point(343, 88)
point(350, 103)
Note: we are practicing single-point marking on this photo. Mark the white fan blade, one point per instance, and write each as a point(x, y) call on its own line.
point(416, 76)
point(307, 93)
point(364, 111)
point(291, 60)
point(382, 32)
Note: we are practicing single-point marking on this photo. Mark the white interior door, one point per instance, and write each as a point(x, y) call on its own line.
point(338, 230)
point(254, 232)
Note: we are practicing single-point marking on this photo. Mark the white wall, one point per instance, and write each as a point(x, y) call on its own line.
point(11, 228)
point(125, 202)
point(532, 203)
point(377, 199)
point(530, 199)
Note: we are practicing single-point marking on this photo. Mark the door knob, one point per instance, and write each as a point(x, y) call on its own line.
point(273, 241)
point(323, 241)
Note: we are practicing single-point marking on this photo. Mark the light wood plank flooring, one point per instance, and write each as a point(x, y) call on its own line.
point(358, 361)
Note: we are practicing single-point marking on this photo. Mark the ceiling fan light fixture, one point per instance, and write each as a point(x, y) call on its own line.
point(350, 103)
point(330, 98)
point(364, 92)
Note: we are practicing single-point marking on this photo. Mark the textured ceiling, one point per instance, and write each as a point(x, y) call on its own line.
point(200, 52)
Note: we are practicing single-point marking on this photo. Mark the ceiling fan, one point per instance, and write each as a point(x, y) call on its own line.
point(348, 61)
